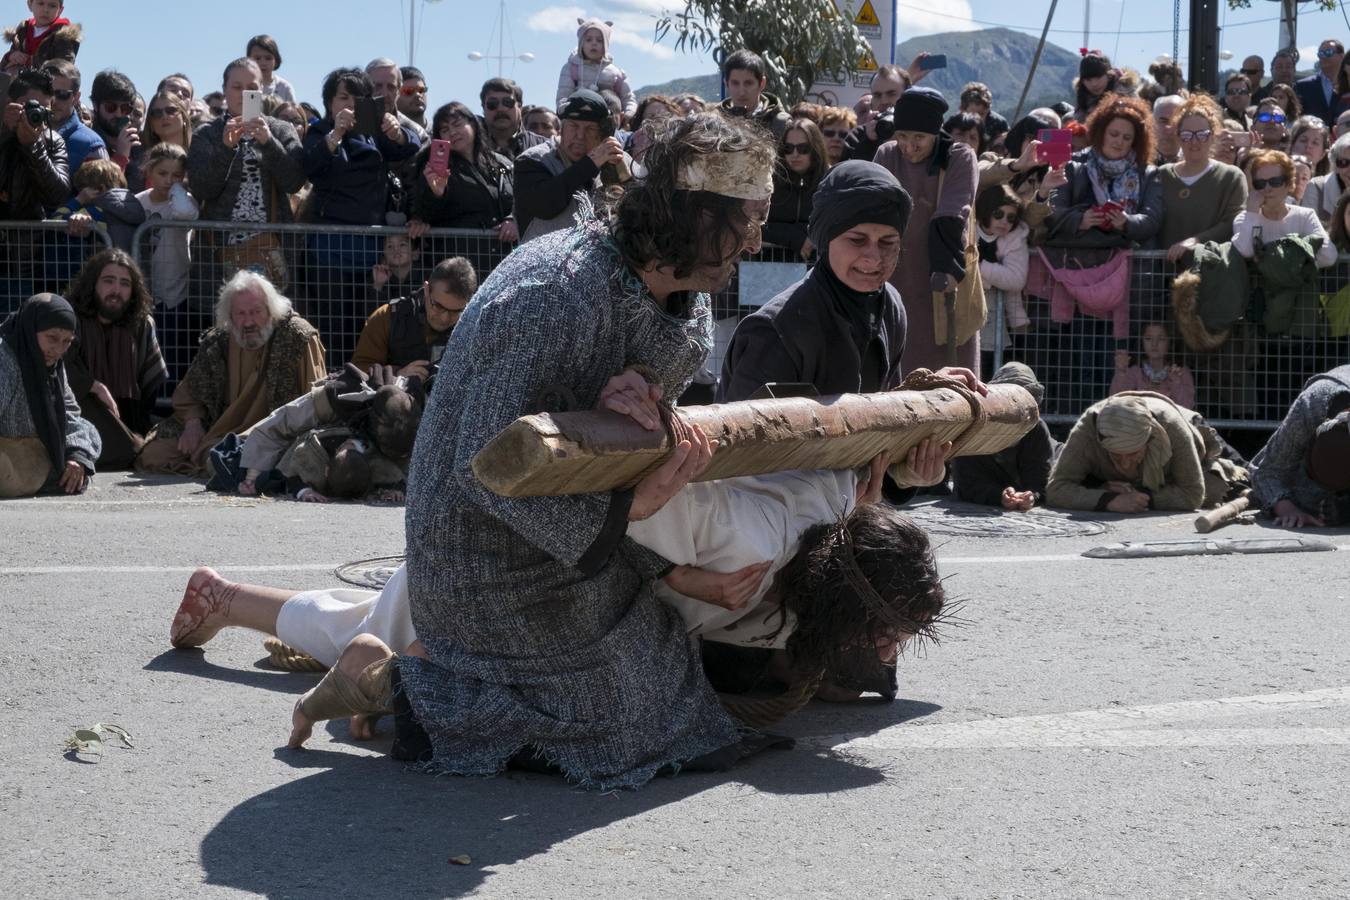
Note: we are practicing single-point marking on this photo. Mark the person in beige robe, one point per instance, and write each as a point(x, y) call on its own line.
point(260, 356)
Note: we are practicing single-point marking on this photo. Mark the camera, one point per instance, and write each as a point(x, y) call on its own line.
point(885, 126)
point(38, 116)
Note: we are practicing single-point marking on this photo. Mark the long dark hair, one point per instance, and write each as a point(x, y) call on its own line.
point(82, 292)
point(483, 158)
point(654, 221)
point(1339, 236)
point(820, 157)
point(857, 583)
point(355, 81)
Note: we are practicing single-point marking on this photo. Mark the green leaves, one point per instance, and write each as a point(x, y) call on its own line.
point(796, 38)
point(90, 740)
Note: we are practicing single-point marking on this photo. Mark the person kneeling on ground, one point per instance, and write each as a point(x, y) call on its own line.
point(348, 437)
point(1014, 478)
point(1137, 451)
point(848, 595)
point(1302, 474)
point(410, 333)
point(45, 445)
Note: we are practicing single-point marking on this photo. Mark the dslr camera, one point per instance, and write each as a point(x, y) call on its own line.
point(885, 125)
point(38, 116)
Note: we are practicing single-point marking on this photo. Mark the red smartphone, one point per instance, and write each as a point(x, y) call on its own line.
point(438, 162)
point(1053, 154)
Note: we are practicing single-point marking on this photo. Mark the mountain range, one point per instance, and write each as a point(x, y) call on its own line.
point(997, 57)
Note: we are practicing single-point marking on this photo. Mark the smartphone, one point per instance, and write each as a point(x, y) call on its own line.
point(1242, 140)
point(252, 106)
point(120, 124)
point(438, 163)
point(934, 61)
point(369, 115)
point(1053, 154)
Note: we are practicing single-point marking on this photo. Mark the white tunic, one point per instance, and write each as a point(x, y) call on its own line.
point(722, 526)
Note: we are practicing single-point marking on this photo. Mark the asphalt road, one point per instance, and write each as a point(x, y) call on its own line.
point(1165, 727)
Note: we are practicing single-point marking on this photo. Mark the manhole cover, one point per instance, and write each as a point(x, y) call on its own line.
point(371, 574)
point(966, 520)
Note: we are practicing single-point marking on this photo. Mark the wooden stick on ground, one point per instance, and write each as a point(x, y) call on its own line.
point(1222, 515)
point(584, 452)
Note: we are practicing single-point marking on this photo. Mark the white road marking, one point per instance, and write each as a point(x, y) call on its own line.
point(169, 570)
point(1157, 725)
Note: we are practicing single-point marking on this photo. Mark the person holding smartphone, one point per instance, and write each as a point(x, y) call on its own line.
point(459, 181)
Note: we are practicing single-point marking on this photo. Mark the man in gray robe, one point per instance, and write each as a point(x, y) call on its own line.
point(542, 631)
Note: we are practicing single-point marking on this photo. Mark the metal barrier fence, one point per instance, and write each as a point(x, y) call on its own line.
point(328, 272)
point(40, 256)
point(1246, 383)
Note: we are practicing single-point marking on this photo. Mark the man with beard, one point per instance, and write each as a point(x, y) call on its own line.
point(412, 96)
point(114, 99)
point(503, 107)
point(260, 356)
point(81, 141)
point(549, 176)
point(115, 367)
point(545, 642)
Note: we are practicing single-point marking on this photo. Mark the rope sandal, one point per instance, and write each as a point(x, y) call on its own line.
point(288, 659)
point(761, 712)
point(340, 695)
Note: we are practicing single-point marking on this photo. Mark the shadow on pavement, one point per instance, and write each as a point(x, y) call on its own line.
point(193, 661)
point(370, 827)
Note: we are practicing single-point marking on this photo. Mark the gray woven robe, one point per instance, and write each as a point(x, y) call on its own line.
point(538, 613)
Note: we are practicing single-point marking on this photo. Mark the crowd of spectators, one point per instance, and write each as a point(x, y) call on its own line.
point(1240, 184)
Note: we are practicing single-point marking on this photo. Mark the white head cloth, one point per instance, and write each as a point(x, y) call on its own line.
point(741, 174)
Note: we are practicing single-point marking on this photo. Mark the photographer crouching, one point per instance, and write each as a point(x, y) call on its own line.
point(34, 175)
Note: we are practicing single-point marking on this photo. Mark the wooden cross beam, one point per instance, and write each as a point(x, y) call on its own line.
point(584, 452)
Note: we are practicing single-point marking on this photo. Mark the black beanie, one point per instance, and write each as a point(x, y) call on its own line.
point(1093, 65)
point(853, 193)
point(920, 109)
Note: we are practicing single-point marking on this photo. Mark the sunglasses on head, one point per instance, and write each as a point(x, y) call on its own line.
point(1200, 136)
point(505, 102)
point(114, 106)
point(1238, 91)
point(1261, 184)
point(803, 149)
point(1005, 213)
point(63, 96)
point(160, 112)
point(1277, 118)
point(409, 89)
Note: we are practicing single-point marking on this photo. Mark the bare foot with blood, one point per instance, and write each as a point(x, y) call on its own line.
point(203, 611)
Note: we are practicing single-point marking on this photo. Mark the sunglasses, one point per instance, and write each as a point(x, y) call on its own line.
point(112, 107)
point(408, 90)
point(505, 102)
point(831, 133)
point(1009, 214)
point(1238, 92)
point(1261, 184)
point(1329, 52)
point(63, 96)
point(1251, 71)
point(1343, 163)
point(217, 110)
point(162, 111)
point(1277, 118)
point(802, 149)
point(1199, 137)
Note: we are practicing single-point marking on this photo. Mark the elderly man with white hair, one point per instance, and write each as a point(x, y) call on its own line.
point(1325, 190)
point(387, 78)
point(259, 356)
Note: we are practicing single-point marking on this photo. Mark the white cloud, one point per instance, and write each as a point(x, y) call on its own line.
point(954, 15)
point(634, 24)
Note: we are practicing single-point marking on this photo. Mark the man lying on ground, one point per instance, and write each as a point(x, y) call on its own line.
point(1302, 474)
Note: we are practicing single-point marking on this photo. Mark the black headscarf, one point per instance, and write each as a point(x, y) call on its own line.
point(853, 193)
point(43, 385)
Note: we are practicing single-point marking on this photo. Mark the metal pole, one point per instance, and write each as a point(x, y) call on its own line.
point(1035, 60)
point(412, 30)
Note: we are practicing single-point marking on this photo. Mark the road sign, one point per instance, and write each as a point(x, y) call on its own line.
point(875, 20)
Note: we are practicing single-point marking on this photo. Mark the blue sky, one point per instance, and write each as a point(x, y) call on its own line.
point(150, 38)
